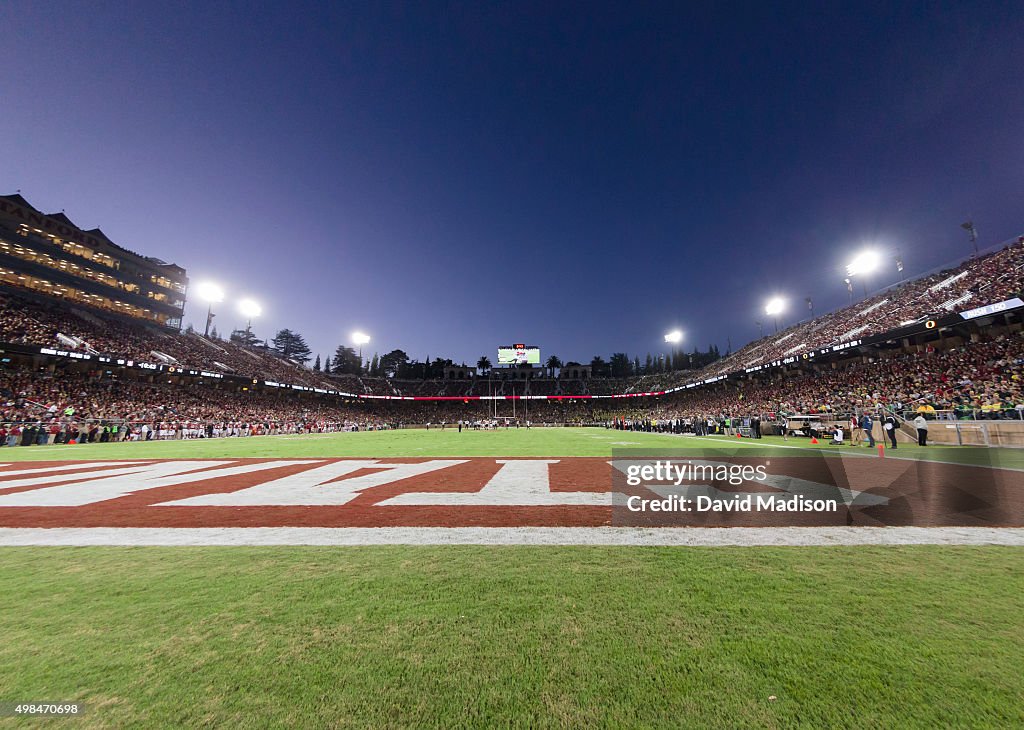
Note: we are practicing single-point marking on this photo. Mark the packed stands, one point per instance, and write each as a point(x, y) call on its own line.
point(26, 320)
point(975, 375)
point(991, 278)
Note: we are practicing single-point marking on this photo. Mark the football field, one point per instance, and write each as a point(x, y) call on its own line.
point(540, 442)
point(319, 630)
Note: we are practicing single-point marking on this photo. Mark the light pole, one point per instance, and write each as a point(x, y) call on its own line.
point(360, 339)
point(212, 294)
point(969, 227)
point(863, 264)
point(774, 308)
point(249, 308)
point(673, 338)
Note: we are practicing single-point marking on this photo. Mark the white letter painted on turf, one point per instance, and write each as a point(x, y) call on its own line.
point(519, 482)
point(115, 483)
point(311, 488)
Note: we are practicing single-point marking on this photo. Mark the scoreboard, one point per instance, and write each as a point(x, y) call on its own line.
point(519, 355)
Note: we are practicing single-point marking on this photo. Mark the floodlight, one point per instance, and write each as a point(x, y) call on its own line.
point(863, 263)
point(774, 306)
point(210, 292)
point(250, 308)
point(674, 337)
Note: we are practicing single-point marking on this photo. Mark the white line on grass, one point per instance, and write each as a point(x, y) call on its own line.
point(627, 536)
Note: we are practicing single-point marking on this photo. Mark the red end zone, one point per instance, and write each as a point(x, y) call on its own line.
point(481, 492)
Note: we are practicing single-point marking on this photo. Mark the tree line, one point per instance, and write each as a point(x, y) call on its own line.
point(397, 363)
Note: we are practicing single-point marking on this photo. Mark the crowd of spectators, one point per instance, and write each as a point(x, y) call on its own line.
point(972, 380)
point(25, 320)
point(984, 280)
point(72, 402)
point(977, 380)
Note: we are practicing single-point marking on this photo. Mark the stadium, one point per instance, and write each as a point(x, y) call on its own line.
point(819, 525)
point(145, 435)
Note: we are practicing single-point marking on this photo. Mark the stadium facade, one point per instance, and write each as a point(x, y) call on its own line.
point(49, 255)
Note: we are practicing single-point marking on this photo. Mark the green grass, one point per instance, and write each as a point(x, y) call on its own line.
point(517, 636)
point(513, 442)
point(512, 636)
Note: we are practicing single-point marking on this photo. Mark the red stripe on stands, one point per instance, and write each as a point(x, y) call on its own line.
point(508, 397)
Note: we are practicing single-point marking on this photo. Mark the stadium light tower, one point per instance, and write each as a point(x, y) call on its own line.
point(212, 294)
point(774, 308)
point(359, 339)
point(969, 227)
point(863, 264)
point(249, 308)
point(672, 338)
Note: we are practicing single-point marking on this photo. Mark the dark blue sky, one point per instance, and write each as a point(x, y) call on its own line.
point(579, 176)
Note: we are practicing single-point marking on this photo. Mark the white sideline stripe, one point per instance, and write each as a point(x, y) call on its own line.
point(353, 536)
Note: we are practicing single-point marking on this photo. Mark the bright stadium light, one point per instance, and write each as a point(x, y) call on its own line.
point(863, 263)
point(774, 308)
point(360, 339)
point(673, 338)
point(249, 308)
point(212, 294)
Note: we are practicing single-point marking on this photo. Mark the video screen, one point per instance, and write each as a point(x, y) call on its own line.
point(519, 355)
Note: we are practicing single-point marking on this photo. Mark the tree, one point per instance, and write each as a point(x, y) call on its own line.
point(316, 364)
point(483, 364)
point(619, 365)
point(598, 367)
point(393, 362)
point(553, 364)
point(435, 370)
point(411, 370)
point(346, 361)
point(190, 330)
point(636, 366)
point(375, 366)
point(214, 335)
point(244, 337)
point(292, 346)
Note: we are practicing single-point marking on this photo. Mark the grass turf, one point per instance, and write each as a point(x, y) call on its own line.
point(521, 636)
point(513, 442)
point(511, 636)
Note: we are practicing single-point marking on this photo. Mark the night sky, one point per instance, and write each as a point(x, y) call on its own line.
point(583, 177)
